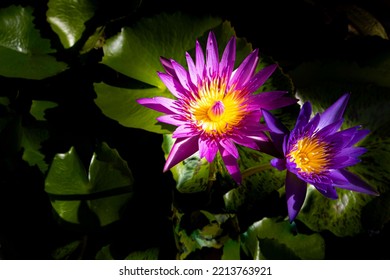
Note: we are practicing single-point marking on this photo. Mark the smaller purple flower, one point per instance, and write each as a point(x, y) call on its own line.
point(317, 152)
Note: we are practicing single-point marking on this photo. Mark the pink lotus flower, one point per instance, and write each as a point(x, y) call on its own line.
point(215, 107)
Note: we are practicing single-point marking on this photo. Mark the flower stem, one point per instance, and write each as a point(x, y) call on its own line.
point(212, 170)
point(255, 169)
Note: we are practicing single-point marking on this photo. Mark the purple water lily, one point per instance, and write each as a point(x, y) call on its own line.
point(215, 106)
point(317, 152)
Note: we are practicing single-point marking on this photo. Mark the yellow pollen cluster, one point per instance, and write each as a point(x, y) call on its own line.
point(216, 111)
point(310, 155)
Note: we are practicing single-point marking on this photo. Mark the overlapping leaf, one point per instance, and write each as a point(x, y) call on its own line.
point(273, 239)
point(98, 196)
point(135, 52)
point(206, 231)
point(341, 216)
point(23, 52)
point(25, 137)
point(259, 180)
point(67, 18)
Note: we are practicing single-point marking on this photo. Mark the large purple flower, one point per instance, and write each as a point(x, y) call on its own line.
point(317, 152)
point(215, 107)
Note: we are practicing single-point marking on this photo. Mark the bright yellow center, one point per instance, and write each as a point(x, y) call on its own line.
point(310, 155)
point(216, 111)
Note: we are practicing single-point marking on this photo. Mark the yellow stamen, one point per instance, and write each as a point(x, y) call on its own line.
point(310, 155)
point(216, 111)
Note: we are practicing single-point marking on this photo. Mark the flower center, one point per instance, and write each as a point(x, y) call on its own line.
point(215, 113)
point(310, 155)
point(215, 110)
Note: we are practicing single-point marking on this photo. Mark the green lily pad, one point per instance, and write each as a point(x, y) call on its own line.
point(95, 41)
point(35, 134)
point(374, 168)
point(135, 52)
point(231, 250)
point(99, 195)
point(342, 216)
point(67, 18)
point(363, 21)
point(149, 254)
point(206, 230)
point(192, 174)
point(272, 238)
point(120, 104)
point(32, 137)
point(259, 180)
point(17, 137)
point(65, 252)
point(104, 254)
point(22, 46)
point(38, 108)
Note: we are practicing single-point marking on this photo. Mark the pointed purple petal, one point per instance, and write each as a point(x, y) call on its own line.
point(360, 134)
point(172, 119)
point(192, 69)
point(334, 112)
point(348, 137)
point(327, 190)
point(212, 56)
point(260, 78)
point(330, 129)
point(231, 165)
point(268, 147)
point(199, 56)
point(312, 126)
point(166, 63)
point(349, 181)
point(229, 147)
point(295, 194)
point(252, 129)
point(184, 131)
point(182, 149)
point(260, 137)
point(303, 117)
point(272, 100)
point(228, 58)
point(278, 163)
point(278, 133)
point(273, 123)
point(182, 75)
point(245, 71)
point(160, 104)
point(208, 148)
point(173, 85)
point(347, 157)
point(252, 118)
point(244, 141)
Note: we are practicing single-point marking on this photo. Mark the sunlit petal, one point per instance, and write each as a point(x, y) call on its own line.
point(181, 149)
